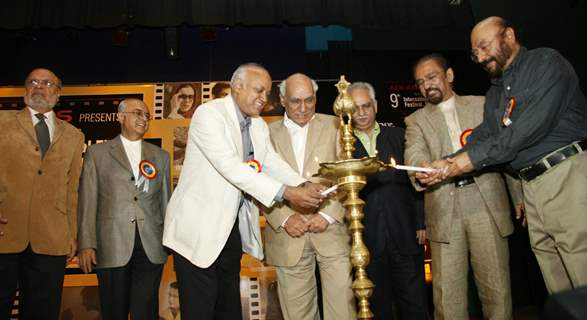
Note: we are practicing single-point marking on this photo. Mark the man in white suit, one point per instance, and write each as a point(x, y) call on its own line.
point(211, 218)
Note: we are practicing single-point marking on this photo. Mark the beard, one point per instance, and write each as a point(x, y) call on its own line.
point(38, 102)
point(500, 59)
point(434, 99)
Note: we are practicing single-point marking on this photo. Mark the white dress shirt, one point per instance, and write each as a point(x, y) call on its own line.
point(133, 153)
point(50, 120)
point(299, 136)
point(449, 111)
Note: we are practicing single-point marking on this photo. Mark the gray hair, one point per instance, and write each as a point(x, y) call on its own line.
point(283, 89)
point(362, 85)
point(239, 73)
point(122, 106)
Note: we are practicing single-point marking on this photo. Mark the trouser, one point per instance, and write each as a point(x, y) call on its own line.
point(398, 278)
point(132, 288)
point(39, 279)
point(298, 292)
point(556, 209)
point(213, 292)
point(474, 235)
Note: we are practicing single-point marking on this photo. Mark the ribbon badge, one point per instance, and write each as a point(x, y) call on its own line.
point(465, 136)
point(506, 120)
point(255, 165)
point(148, 172)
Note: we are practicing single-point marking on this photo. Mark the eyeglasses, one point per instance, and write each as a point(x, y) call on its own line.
point(432, 77)
point(42, 84)
point(485, 46)
point(139, 114)
point(186, 96)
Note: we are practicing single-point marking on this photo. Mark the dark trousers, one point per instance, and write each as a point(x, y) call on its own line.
point(39, 279)
point(132, 288)
point(398, 278)
point(213, 292)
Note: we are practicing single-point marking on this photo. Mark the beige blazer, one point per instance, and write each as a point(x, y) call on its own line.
point(427, 139)
point(111, 206)
point(321, 146)
point(38, 196)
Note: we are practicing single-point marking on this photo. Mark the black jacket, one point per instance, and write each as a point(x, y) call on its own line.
point(393, 210)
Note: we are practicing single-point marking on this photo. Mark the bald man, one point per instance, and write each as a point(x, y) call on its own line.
point(40, 165)
point(297, 240)
point(535, 123)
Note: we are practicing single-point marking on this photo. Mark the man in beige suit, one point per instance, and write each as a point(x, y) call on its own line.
point(40, 164)
point(297, 239)
point(123, 195)
point(465, 216)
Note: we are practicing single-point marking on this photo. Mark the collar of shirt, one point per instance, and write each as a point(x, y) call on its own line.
point(133, 153)
point(369, 142)
point(50, 120)
point(292, 126)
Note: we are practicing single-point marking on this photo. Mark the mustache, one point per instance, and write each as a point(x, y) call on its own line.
point(430, 91)
point(486, 62)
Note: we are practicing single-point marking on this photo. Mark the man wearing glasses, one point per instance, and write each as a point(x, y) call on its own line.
point(40, 164)
point(467, 218)
point(123, 195)
point(535, 123)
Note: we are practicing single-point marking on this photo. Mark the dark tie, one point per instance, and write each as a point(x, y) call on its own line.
point(42, 133)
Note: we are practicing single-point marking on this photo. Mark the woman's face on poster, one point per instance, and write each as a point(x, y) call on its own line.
point(185, 98)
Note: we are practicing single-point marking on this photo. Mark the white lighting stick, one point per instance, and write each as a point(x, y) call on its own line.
point(329, 190)
point(409, 168)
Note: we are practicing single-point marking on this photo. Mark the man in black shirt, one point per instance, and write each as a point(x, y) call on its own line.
point(535, 122)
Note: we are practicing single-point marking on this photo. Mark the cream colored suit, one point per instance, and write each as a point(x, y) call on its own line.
point(297, 256)
point(474, 219)
point(205, 204)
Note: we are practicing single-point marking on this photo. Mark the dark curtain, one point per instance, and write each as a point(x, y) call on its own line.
point(20, 14)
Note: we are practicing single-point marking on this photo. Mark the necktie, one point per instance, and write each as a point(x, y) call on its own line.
point(248, 152)
point(42, 133)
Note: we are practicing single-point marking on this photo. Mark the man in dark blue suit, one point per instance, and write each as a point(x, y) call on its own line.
point(394, 217)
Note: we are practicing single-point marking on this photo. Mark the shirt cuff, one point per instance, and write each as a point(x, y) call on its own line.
point(279, 196)
point(328, 218)
point(282, 225)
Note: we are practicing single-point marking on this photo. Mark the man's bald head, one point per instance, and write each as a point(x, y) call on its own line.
point(494, 45)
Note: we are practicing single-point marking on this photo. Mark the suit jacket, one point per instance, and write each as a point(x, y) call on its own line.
point(38, 196)
point(321, 146)
point(205, 204)
point(111, 207)
point(393, 209)
point(427, 139)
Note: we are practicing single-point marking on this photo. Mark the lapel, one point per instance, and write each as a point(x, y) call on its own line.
point(466, 115)
point(312, 140)
point(438, 123)
point(57, 130)
point(284, 146)
point(118, 153)
point(234, 126)
point(24, 119)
